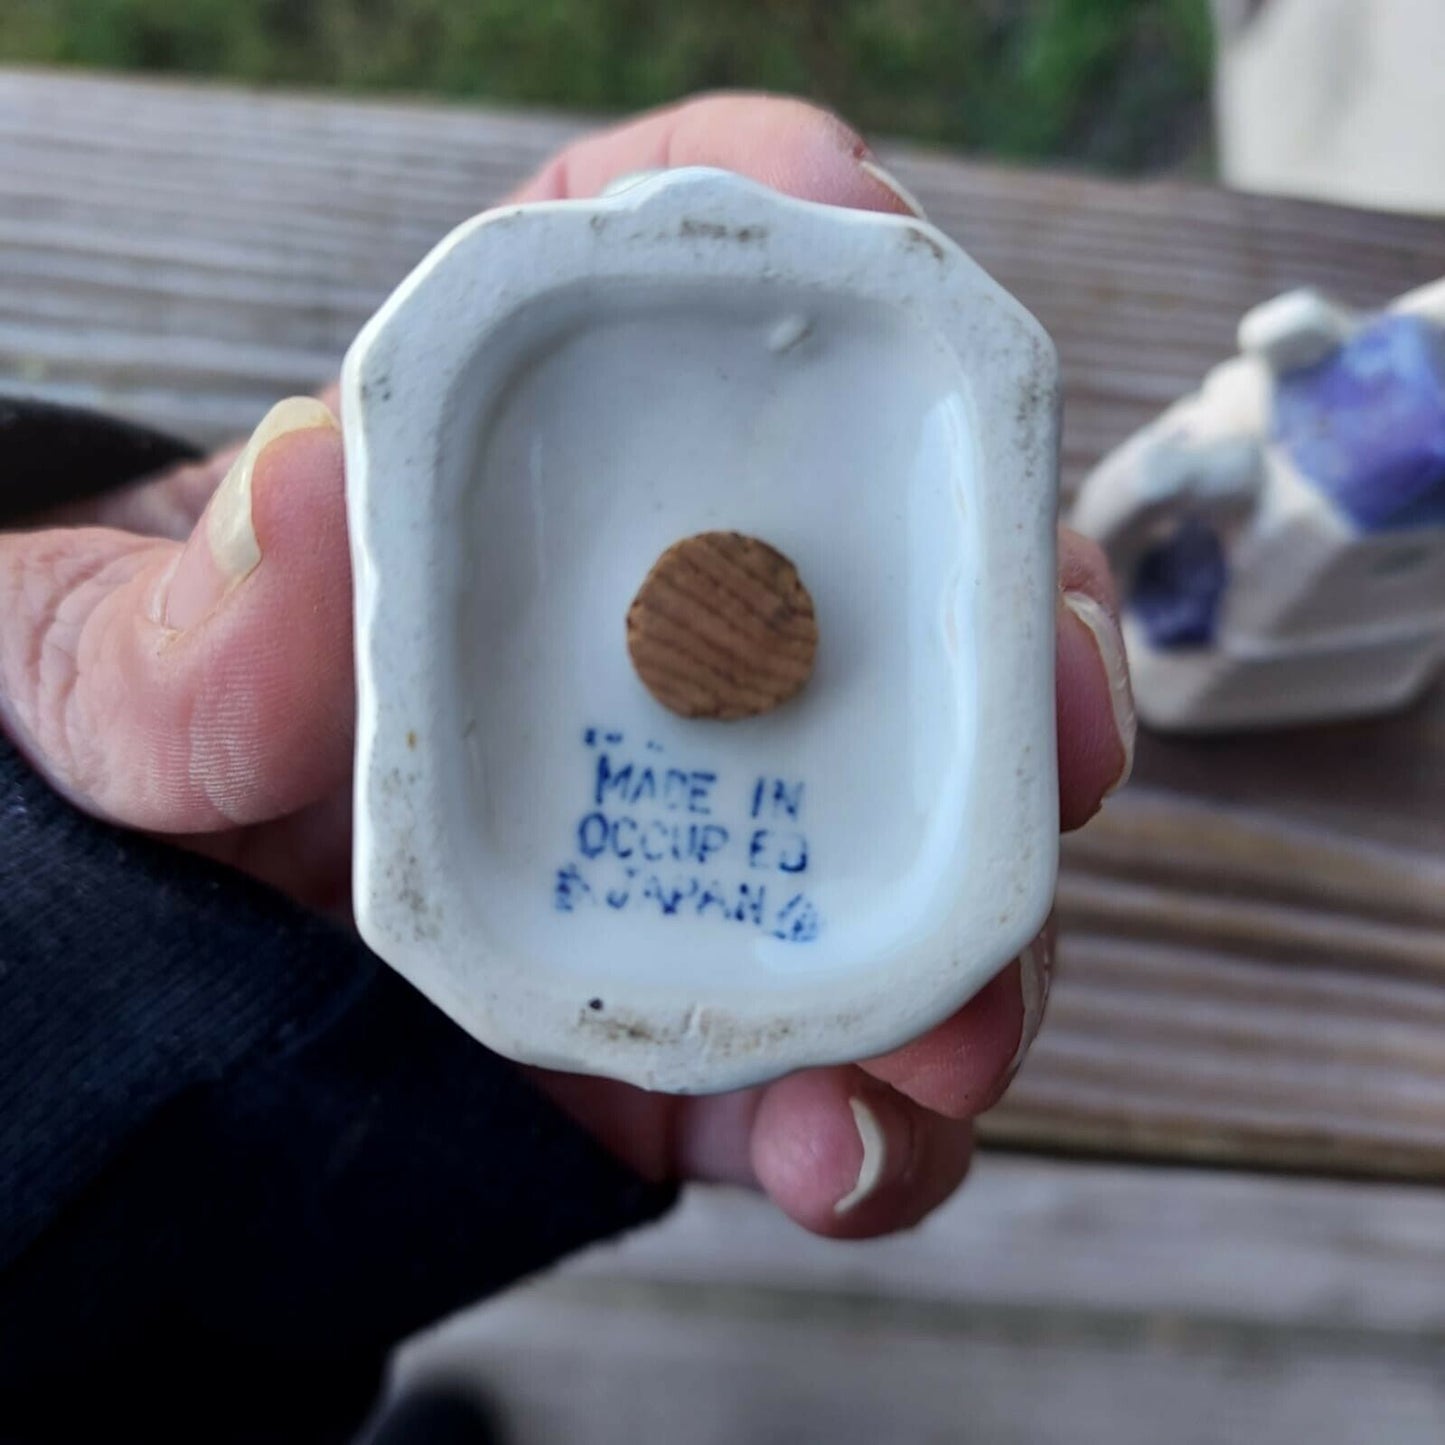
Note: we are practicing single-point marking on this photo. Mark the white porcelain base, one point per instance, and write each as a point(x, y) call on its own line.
point(579, 877)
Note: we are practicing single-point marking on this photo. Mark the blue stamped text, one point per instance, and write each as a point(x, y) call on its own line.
point(682, 842)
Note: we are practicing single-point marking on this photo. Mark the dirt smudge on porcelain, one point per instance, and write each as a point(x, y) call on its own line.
point(690, 228)
point(919, 238)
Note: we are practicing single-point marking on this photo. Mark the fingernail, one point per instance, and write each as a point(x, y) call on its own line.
point(625, 182)
point(1036, 968)
point(1110, 643)
point(223, 549)
point(870, 1170)
point(891, 183)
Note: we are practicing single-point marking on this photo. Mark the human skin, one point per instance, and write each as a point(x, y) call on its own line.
point(167, 676)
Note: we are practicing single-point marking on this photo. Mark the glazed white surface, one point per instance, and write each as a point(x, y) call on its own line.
point(638, 424)
point(553, 399)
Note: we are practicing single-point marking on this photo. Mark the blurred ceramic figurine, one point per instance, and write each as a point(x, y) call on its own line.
point(1279, 536)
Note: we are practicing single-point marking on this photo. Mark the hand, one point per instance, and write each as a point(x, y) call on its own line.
point(182, 664)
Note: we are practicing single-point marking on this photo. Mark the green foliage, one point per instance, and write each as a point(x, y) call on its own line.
point(1115, 83)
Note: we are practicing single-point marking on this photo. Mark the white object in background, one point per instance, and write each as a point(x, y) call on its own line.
point(1338, 100)
point(1279, 536)
point(578, 876)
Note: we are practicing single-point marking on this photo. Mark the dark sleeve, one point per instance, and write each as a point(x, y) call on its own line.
point(237, 1153)
point(54, 455)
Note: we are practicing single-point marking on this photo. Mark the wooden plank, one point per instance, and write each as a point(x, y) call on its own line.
point(1046, 1302)
point(1253, 959)
point(1147, 1243)
point(602, 1366)
point(240, 205)
point(1254, 984)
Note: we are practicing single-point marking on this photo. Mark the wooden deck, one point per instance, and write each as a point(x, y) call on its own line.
point(1252, 968)
point(1048, 1304)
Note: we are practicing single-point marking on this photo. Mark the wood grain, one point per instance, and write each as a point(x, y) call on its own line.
point(1267, 1252)
point(1044, 1303)
point(722, 627)
point(1252, 966)
point(614, 1366)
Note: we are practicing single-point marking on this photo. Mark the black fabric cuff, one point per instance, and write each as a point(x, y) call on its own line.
point(237, 1150)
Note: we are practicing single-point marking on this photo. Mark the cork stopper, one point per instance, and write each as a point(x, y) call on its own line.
point(722, 628)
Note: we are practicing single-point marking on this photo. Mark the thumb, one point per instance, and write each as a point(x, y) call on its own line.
point(186, 687)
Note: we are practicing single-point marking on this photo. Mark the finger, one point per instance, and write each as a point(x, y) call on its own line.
point(1096, 722)
point(837, 1151)
point(960, 1068)
point(166, 505)
point(847, 1157)
point(646, 1130)
point(786, 144)
point(189, 687)
point(305, 853)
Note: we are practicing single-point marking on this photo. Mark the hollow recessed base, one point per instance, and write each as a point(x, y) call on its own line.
point(580, 875)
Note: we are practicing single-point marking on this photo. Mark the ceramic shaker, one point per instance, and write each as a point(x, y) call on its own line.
point(1279, 536)
point(705, 581)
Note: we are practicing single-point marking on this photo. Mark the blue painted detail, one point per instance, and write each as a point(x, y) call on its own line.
point(571, 889)
point(1367, 424)
point(653, 839)
point(1178, 586)
point(798, 921)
